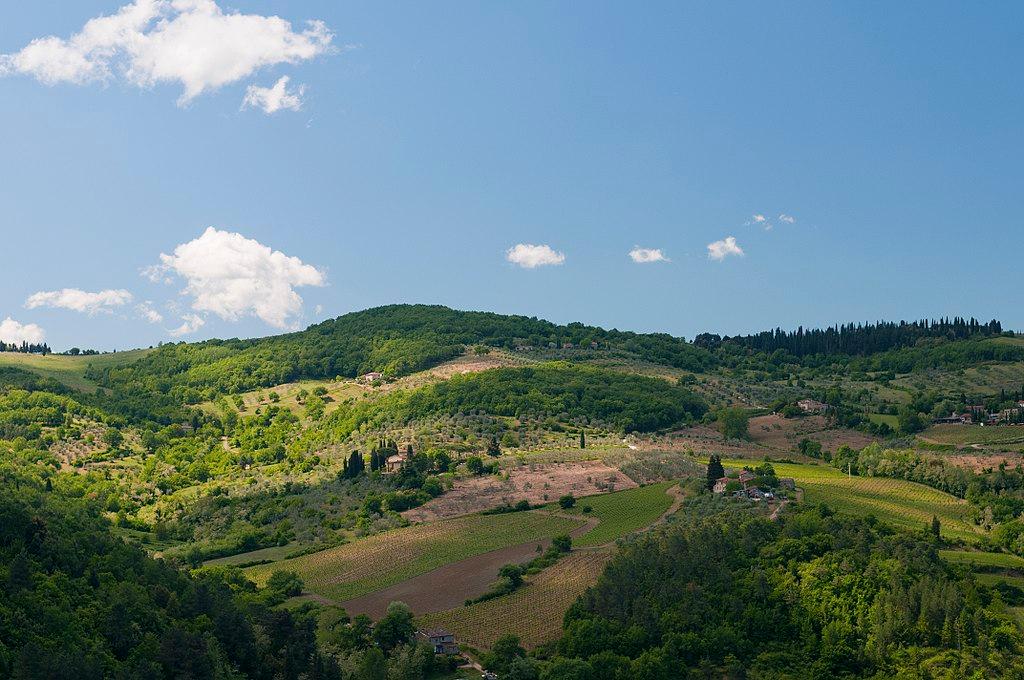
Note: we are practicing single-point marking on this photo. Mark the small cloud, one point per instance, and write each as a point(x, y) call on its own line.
point(788, 219)
point(79, 300)
point(646, 255)
point(233, 276)
point(273, 99)
point(719, 250)
point(190, 324)
point(12, 331)
point(529, 256)
point(147, 312)
point(759, 219)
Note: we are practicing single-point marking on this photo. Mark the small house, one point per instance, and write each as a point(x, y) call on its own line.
point(371, 377)
point(394, 463)
point(440, 639)
point(746, 477)
point(720, 485)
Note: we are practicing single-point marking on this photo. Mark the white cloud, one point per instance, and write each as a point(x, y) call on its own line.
point(12, 331)
point(190, 42)
point(529, 256)
point(232, 276)
point(190, 324)
point(789, 219)
point(148, 312)
point(79, 300)
point(274, 99)
point(759, 219)
point(645, 255)
point(719, 250)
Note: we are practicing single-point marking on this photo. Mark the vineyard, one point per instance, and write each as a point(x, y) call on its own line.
point(904, 504)
point(963, 435)
point(534, 612)
point(623, 512)
point(374, 563)
point(983, 559)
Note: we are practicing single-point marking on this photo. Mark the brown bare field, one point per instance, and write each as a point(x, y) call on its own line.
point(535, 483)
point(978, 462)
point(771, 434)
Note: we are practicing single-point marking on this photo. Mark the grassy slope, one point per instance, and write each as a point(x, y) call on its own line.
point(374, 563)
point(983, 559)
point(69, 370)
point(963, 435)
point(904, 504)
point(623, 512)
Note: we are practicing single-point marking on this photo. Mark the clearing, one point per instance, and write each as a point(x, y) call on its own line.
point(69, 370)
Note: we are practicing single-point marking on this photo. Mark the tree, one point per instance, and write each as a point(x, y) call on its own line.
point(113, 438)
point(475, 465)
point(562, 543)
point(567, 501)
point(286, 583)
point(395, 627)
point(494, 449)
point(505, 649)
point(513, 574)
point(583, 440)
point(715, 469)
point(936, 528)
point(733, 423)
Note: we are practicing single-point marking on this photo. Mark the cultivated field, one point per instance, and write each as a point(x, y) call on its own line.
point(382, 560)
point(536, 483)
point(902, 503)
point(623, 512)
point(966, 435)
point(983, 559)
point(534, 612)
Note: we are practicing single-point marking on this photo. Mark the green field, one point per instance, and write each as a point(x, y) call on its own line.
point(902, 503)
point(992, 579)
point(983, 559)
point(963, 435)
point(374, 563)
point(880, 418)
point(623, 512)
point(66, 369)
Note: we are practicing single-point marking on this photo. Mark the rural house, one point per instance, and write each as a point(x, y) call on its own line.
point(441, 639)
point(371, 377)
point(746, 477)
point(394, 463)
point(720, 485)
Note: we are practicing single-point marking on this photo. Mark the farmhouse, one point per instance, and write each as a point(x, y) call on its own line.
point(720, 485)
point(812, 406)
point(746, 477)
point(441, 639)
point(394, 463)
point(371, 377)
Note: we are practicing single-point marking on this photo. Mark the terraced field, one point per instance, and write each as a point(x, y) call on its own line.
point(623, 512)
point(374, 563)
point(534, 612)
point(898, 502)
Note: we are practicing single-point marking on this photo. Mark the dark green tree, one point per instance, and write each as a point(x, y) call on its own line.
point(715, 469)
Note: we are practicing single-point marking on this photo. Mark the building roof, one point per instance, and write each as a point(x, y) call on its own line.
point(397, 458)
point(435, 632)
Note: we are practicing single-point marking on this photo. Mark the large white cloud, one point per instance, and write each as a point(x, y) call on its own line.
point(191, 42)
point(233, 276)
point(719, 250)
point(529, 256)
point(79, 300)
point(647, 255)
point(12, 331)
point(276, 98)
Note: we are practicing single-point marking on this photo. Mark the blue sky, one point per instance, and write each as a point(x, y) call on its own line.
point(430, 139)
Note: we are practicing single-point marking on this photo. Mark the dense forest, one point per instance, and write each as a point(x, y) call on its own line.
point(733, 595)
point(25, 347)
point(856, 339)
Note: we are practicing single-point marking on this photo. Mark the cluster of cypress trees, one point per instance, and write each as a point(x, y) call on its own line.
point(24, 347)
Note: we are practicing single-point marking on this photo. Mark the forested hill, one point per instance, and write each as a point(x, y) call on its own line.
point(856, 339)
point(394, 340)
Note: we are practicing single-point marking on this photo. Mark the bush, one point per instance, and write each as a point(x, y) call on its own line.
point(567, 501)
